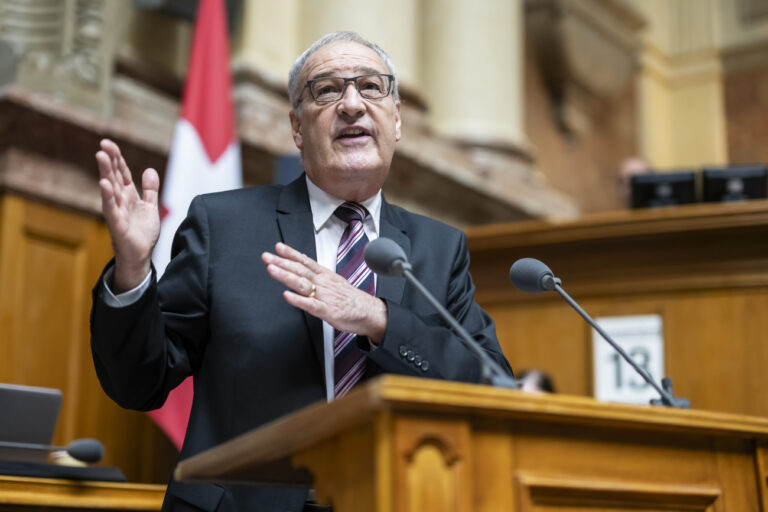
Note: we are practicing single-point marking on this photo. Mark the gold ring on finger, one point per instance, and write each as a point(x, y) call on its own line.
point(313, 291)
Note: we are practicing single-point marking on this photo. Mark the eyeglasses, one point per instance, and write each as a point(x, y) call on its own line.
point(332, 88)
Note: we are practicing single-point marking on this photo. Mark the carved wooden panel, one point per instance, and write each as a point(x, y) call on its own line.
point(539, 493)
point(43, 300)
point(433, 464)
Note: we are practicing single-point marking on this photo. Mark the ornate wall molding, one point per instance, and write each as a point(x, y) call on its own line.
point(62, 48)
point(586, 51)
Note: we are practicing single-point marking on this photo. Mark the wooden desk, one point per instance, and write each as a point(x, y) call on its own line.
point(400, 444)
point(703, 268)
point(30, 494)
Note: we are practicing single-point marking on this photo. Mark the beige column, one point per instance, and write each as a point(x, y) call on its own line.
point(472, 69)
point(268, 41)
point(681, 106)
point(391, 24)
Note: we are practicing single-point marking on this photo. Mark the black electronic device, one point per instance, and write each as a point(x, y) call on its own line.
point(29, 415)
point(663, 189)
point(734, 183)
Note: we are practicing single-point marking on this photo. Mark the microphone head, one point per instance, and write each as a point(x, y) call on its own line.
point(385, 257)
point(86, 450)
point(529, 275)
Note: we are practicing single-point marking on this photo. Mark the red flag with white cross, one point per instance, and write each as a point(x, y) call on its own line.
point(204, 157)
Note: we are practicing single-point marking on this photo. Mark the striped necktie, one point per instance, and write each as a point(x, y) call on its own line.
point(349, 360)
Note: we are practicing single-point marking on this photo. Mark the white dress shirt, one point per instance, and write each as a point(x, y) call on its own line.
point(328, 230)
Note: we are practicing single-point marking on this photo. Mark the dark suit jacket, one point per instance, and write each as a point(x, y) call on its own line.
point(216, 314)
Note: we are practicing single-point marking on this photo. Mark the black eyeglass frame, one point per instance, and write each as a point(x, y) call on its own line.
point(353, 79)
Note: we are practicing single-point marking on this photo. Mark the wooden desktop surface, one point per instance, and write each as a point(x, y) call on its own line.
point(29, 494)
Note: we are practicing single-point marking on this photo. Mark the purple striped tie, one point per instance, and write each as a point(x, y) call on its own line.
point(349, 360)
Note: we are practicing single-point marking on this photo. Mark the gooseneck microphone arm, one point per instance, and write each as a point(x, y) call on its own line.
point(387, 258)
point(532, 276)
point(666, 397)
point(491, 371)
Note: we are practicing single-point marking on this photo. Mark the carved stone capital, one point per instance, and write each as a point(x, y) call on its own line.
point(62, 49)
point(586, 51)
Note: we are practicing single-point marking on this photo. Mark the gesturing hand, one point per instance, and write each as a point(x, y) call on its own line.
point(345, 307)
point(133, 221)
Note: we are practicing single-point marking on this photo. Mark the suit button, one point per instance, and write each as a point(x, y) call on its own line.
point(403, 350)
point(424, 365)
point(417, 360)
point(411, 355)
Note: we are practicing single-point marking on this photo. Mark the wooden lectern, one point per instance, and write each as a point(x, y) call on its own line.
point(399, 444)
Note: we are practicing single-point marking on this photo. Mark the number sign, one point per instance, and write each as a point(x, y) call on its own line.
point(641, 337)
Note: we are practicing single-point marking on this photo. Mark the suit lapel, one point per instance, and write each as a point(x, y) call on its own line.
point(391, 288)
point(294, 218)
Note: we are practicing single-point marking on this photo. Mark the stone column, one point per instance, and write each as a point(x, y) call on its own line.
point(472, 70)
point(268, 42)
point(393, 25)
point(681, 106)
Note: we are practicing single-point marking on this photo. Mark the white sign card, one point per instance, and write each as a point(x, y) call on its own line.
point(641, 337)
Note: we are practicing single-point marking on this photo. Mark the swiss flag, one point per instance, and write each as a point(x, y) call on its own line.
point(204, 157)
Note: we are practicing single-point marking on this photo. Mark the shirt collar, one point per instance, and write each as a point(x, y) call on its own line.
point(323, 206)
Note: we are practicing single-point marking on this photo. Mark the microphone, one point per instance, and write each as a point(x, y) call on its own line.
point(386, 258)
point(532, 276)
point(85, 450)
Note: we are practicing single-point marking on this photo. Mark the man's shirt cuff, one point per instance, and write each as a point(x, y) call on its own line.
point(124, 299)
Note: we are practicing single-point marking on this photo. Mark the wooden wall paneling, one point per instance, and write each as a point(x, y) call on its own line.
point(717, 346)
point(52, 254)
point(716, 343)
point(49, 260)
point(9, 227)
point(547, 335)
point(704, 268)
point(41, 300)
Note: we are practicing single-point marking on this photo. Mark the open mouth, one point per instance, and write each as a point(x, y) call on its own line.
point(352, 133)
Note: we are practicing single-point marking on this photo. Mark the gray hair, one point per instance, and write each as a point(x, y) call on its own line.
point(295, 89)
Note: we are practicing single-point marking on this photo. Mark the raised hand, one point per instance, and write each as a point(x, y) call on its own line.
point(334, 300)
point(133, 220)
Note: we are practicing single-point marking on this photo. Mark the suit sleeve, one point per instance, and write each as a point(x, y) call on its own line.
point(144, 350)
point(424, 345)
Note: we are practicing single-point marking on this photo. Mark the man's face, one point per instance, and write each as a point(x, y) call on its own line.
point(347, 146)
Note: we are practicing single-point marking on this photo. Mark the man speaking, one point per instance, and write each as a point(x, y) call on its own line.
point(267, 300)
